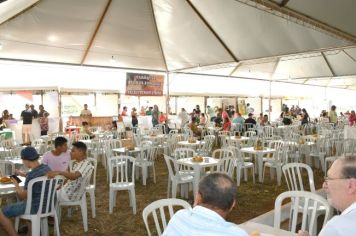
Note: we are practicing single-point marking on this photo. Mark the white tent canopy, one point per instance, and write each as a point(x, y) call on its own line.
point(295, 41)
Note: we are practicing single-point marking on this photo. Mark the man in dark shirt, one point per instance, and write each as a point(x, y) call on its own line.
point(250, 120)
point(29, 158)
point(34, 112)
point(26, 116)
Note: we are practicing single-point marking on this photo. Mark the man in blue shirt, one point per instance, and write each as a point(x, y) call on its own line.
point(214, 201)
point(29, 158)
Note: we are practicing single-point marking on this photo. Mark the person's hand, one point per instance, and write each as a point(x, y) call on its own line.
point(14, 182)
point(302, 233)
point(52, 174)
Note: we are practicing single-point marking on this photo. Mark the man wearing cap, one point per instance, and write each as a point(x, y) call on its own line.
point(81, 169)
point(29, 158)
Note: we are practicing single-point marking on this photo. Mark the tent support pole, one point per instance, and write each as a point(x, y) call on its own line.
point(269, 100)
point(41, 97)
point(167, 95)
point(205, 103)
point(60, 128)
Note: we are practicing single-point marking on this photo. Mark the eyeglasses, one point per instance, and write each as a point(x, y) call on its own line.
point(327, 179)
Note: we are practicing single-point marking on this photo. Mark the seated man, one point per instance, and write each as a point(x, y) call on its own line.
point(29, 158)
point(340, 188)
point(214, 200)
point(81, 168)
point(58, 159)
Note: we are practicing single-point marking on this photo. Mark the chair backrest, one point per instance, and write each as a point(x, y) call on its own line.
point(41, 193)
point(303, 202)
point(208, 143)
point(226, 165)
point(173, 169)
point(237, 154)
point(180, 153)
point(121, 169)
point(221, 153)
point(224, 140)
point(7, 168)
point(158, 210)
point(82, 136)
point(146, 143)
point(268, 131)
point(293, 173)
point(147, 153)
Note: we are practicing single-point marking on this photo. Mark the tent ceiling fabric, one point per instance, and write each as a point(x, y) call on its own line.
point(228, 38)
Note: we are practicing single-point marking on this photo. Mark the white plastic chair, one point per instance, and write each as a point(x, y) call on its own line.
point(241, 164)
point(46, 206)
point(82, 136)
point(221, 153)
point(309, 203)
point(144, 160)
point(6, 168)
point(91, 184)
point(175, 176)
point(277, 160)
point(157, 208)
point(120, 169)
point(207, 146)
point(293, 173)
point(81, 201)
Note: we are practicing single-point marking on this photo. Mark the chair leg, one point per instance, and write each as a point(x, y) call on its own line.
point(168, 187)
point(56, 226)
point(92, 202)
point(154, 174)
point(253, 174)
point(133, 200)
point(83, 206)
point(36, 226)
point(238, 176)
point(110, 201)
point(279, 175)
point(245, 174)
point(174, 189)
point(144, 175)
point(44, 226)
point(17, 221)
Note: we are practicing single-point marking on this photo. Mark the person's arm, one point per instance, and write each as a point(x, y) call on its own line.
point(21, 193)
point(66, 174)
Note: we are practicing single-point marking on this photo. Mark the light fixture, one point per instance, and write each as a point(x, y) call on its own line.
point(52, 38)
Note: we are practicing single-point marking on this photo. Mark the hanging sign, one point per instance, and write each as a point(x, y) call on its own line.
point(144, 84)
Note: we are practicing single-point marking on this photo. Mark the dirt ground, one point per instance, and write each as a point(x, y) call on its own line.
point(252, 200)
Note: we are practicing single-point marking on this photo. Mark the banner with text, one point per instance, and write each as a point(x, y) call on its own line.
point(144, 84)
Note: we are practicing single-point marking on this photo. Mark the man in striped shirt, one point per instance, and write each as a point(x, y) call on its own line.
point(215, 199)
point(72, 190)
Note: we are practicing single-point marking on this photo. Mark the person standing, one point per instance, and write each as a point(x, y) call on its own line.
point(155, 116)
point(43, 119)
point(305, 117)
point(352, 118)
point(86, 114)
point(249, 109)
point(183, 117)
point(134, 119)
point(211, 113)
point(333, 115)
point(26, 117)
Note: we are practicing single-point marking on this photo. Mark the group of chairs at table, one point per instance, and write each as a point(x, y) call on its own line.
point(121, 163)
